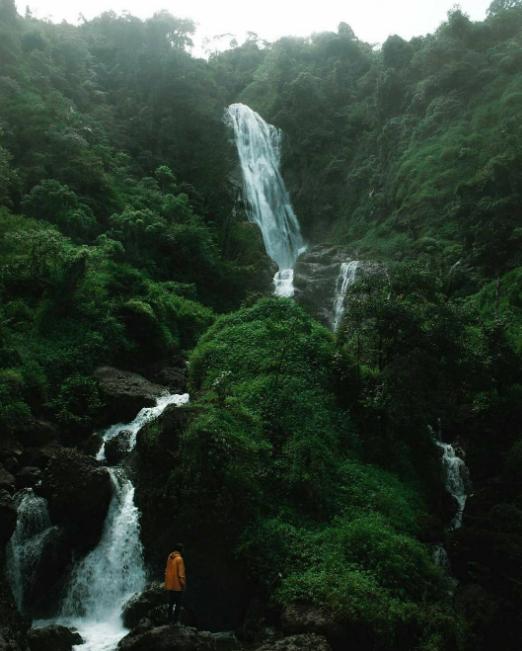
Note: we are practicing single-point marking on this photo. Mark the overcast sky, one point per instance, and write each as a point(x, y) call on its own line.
point(372, 20)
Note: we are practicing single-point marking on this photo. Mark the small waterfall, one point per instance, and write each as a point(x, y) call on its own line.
point(345, 279)
point(269, 206)
point(114, 570)
point(25, 547)
point(457, 479)
point(144, 416)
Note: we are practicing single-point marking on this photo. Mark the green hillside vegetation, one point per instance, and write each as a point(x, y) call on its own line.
point(308, 456)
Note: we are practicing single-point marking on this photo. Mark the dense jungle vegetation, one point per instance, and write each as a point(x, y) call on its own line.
point(309, 457)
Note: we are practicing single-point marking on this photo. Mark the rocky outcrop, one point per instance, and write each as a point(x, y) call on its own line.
point(7, 480)
point(117, 447)
point(78, 491)
point(38, 432)
point(178, 638)
point(7, 517)
point(306, 618)
point(12, 626)
point(28, 477)
point(140, 605)
point(53, 638)
point(125, 393)
point(310, 642)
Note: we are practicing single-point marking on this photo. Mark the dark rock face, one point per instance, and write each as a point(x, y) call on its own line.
point(49, 574)
point(310, 642)
point(305, 618)
point(170, 638)
point(125, 394)
point(315, 277)
point(12, 626)
point(7, 480)
point(8, 517)
point(38, 433)
point(117, 448)
point(78, 491)
point(173, 376)
point(53, 638)
point(140, 605)
point(28, 477)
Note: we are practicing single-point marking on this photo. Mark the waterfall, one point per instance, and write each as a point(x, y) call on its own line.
point(268, 202)
point(346, 277)
point(114, 570)
point(457, 479)
point(27, 542)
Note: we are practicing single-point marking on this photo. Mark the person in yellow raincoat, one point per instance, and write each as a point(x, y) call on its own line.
point(175, 581)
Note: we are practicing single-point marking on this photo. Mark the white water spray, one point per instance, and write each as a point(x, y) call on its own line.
point(114, 570)
point(346, 278)
point(27, 542)
point(457, 479)
point(268, 203)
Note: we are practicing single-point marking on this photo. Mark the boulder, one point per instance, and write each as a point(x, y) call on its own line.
point(49, 573)
point(28, 477)
point(53, 638)
point(306, 642)
point(7, 480)
point(169, 638)
point(117, 447)
point(78, 491)
point(39, 457)
point(140, 605)
point(306, 618)
point(38, 432)
point(125, 393)
point(8, 517)
point(12, 625)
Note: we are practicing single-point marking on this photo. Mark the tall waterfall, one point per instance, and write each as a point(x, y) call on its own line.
point(346, 277)
point(25, 547)
point(104, 580)
point(457, 479)
point(268, 203)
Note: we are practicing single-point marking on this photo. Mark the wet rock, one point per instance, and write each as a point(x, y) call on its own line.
point(125, 393)
point(140, 605)
point(92, 445)
point(307, 642)
point(28, 477)
point(8, 517)
point(169, 638)
point(117, 447)
point(7, 480)
point(78, 491)
point(305, 618)
point(49, 573)
point(53, 638)
point(12, 626)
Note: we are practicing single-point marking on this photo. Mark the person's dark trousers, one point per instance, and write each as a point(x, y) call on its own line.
point(175, 599)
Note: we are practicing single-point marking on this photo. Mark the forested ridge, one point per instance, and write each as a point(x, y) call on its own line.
point(305, 464)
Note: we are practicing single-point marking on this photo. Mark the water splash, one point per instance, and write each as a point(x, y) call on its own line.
point(27, 542)
point(268, 202)
point(114, 570)
point(347, 276)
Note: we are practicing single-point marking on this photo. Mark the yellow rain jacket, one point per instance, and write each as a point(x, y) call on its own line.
point(175, 572)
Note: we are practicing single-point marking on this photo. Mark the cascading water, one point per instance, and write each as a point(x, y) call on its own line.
point(345, 279)
point(104, 580)
point(269, 206)
point(457, 479)
point(27, 542)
